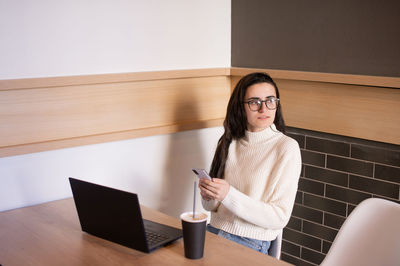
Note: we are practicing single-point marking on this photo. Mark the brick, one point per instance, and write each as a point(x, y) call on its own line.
point(313, 158)
point(334, 221)
point(374, 186)
point(299, 138)
point(307, 213)
point(299, 197)
point(311, 186)
point(312, 256)
point(326, 175)
point(302, 239)
point(350, 209)
point(346, 194)
point(290, 248)
point(294, 260)
point(376, 154)
point(326, 246)
point(350, 165)
point(294, 223)
point(387, 173)
point(325, 204)
point(319, 231)
point(327, 146)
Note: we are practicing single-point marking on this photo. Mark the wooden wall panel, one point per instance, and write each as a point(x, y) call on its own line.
point(51, 113)
point(357, 111)
point(90, 113)
point(358, 106)
point(375, 81)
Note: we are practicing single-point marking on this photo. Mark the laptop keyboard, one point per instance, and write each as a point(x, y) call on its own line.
point(154, 238)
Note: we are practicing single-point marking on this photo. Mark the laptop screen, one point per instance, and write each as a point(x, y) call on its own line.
point(109, 213)
point(115, 215)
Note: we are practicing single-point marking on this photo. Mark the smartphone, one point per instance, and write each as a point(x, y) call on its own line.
point(201, 173)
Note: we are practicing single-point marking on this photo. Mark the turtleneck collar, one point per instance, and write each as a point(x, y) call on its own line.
point(251, 138)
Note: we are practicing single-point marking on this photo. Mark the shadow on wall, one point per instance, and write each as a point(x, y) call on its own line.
point(182, 155)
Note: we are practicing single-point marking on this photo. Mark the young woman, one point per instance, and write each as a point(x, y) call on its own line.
point(255, 169)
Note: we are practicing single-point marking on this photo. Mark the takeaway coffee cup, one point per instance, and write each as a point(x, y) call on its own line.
point(194, 231)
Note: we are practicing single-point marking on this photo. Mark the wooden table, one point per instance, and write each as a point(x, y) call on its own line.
point(50, 234)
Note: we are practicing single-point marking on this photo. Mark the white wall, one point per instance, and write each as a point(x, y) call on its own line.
point(158, 168)
point(70, 37)
point(73, 37)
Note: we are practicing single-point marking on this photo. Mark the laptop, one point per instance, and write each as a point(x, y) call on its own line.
point(115, 215)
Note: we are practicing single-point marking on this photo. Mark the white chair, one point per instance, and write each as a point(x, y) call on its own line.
point(276, 246)
point(370, 236)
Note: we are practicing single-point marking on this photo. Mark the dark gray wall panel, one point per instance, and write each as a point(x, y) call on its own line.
point(350, 37)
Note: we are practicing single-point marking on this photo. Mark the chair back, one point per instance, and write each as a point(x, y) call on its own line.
point(369, 236)
point(276, 246)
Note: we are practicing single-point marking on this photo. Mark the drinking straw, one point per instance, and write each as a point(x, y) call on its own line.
point(194, 199)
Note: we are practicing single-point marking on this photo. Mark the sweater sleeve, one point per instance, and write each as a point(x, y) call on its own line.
point(210, 205)
point(275, 213)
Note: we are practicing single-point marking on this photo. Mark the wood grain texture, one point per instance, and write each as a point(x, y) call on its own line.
point(59, 112)
point(30, 83)
point(108, 111)
point(356, 111)
point(376, 81)
point(50, 234)
point(338, 104)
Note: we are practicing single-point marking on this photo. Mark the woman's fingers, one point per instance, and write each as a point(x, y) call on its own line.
point(221, 188)
point(205, 196)
point(216, 189)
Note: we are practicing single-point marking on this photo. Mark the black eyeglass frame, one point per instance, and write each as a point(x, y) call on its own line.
point(263, 101)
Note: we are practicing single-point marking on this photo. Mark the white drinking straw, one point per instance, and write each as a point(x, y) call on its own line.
point(194, 199)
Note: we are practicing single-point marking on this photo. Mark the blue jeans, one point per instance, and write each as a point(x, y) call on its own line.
point(258, 245)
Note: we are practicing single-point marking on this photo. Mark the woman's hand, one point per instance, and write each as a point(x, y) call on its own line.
point(213, 190)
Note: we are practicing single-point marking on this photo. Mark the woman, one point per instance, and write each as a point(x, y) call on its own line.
point(255, 168)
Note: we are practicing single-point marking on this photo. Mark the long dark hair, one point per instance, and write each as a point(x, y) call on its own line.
point(235, 123)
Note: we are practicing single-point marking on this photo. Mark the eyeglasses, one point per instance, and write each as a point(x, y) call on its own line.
point(255, 104)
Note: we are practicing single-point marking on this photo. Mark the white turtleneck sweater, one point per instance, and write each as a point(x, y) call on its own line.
point(263, 169)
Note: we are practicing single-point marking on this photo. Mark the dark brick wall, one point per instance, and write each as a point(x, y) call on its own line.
point(338, 173)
